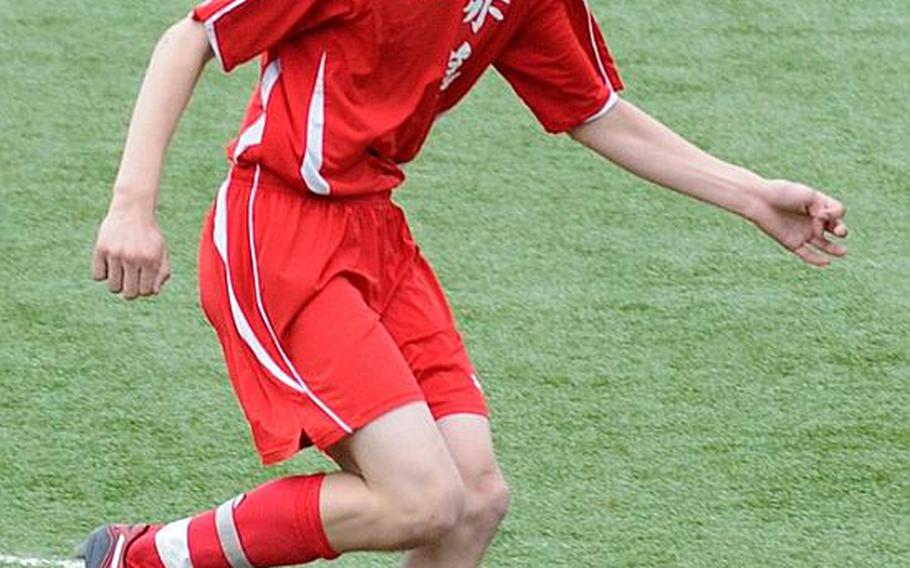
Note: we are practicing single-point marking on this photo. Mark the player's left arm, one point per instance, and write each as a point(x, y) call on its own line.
point(800, 218)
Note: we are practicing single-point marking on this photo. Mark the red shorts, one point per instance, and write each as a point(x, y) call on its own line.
point(327, 313)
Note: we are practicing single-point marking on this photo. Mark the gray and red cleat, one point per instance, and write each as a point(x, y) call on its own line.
point(106, 546)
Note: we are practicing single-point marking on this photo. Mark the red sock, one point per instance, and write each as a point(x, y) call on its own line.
point(277, 524)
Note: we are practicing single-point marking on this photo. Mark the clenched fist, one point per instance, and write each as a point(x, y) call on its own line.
point(130, 254)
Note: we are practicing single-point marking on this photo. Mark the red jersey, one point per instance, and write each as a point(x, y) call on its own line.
point(349, 89)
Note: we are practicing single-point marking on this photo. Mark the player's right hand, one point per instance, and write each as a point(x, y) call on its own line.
point(130, 254)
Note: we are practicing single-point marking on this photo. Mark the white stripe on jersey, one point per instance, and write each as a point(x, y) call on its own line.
point(269, 78)
point(315, 132)
point(252, 136)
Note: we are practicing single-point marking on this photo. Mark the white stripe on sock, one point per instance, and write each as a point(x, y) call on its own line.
point(226, 527)
point(173, 545)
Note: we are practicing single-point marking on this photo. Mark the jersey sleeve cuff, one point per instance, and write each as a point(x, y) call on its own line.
point(601, 106)
point(209, 27)
point(605, 109)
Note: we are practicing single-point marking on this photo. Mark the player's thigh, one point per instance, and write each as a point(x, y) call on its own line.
point(459, 444)
point(415, 486)
point(399, 453)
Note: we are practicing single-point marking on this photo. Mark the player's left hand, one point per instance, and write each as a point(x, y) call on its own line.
point(802, 220)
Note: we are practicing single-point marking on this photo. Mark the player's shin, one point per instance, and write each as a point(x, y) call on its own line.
point(277, 524)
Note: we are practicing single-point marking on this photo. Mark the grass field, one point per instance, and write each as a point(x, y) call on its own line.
point(669, 389)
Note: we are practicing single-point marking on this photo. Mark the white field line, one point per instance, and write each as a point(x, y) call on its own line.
point(25, 562)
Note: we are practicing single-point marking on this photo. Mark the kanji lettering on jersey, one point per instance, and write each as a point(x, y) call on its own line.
point(476, 12)
point(456, 60)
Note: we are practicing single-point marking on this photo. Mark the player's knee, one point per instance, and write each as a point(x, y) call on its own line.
point(487, 502)
point(429, 511)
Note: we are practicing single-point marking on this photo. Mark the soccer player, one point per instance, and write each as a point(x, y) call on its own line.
point(334, 329)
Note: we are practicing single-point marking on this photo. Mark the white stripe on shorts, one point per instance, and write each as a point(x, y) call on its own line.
point(220, 236)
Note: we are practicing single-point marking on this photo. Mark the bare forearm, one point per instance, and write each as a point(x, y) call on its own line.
point(130, 253)
point(637, 142)
point(175, 66)
point(800, 218)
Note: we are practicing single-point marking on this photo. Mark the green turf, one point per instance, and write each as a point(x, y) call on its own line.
point(669, 389)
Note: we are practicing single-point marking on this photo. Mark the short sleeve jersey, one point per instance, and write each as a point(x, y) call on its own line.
point(349, 89)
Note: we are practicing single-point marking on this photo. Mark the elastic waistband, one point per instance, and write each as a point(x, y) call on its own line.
point(273, 181)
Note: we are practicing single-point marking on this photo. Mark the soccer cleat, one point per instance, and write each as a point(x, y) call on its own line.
point(106, 546)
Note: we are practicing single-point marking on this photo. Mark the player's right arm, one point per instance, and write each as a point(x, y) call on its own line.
point(130, 253)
